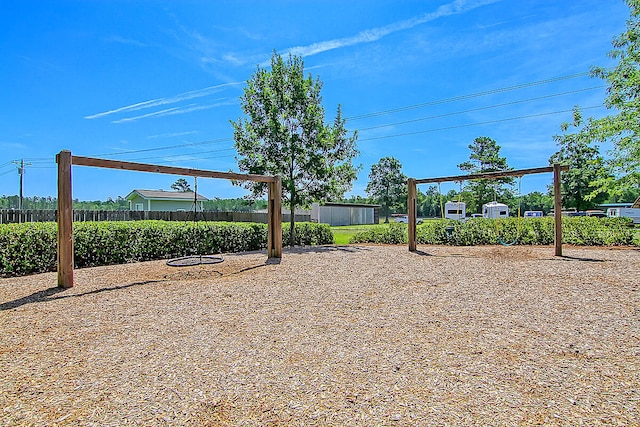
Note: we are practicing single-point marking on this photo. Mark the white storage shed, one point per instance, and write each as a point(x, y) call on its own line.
point(345, 213)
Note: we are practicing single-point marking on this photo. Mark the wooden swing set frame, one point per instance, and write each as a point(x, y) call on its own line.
point(65, 160)
point(557, 196)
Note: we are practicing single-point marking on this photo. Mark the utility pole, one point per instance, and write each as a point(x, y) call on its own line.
point(21, 164)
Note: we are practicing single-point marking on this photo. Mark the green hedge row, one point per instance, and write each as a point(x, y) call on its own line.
point(32, 248)
point(587, 231)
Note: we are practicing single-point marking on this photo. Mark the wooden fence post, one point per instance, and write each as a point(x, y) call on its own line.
point(274, 219)
point(557, 208)
point(412, 211)
point(65, 220)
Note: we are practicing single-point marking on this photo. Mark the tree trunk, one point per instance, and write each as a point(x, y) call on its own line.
point(292, 221)
point(386, 221)
point(292, 231)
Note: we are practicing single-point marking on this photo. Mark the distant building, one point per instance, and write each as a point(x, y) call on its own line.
point(605, 206)
point(495, 210)
point(160, 200)
point(345, 213)
point(455, 210)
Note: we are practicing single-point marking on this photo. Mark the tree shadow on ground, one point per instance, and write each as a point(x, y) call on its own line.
point(571, 258)
point(48, 295)
point(453, 255)
point(325, 249)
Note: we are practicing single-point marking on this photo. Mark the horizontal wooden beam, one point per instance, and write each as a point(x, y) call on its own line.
point(490, 175)
point(144, 167)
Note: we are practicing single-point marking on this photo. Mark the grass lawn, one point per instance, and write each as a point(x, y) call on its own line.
point(342, 234)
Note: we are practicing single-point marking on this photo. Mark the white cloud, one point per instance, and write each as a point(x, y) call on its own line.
point(175, 110)
point(172, 135)
point(122, 40)
point(374, 34)
point(155, 113)
point(185, 96)
point(365, 36)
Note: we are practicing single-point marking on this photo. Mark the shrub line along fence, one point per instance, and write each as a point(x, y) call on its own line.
point(11, 216)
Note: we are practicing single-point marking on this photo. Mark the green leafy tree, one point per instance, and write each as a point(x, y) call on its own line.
point(485, 157)
point(181, 184)
point(359, 200)
point(284, 133)
point(387, 184)
point(429, 202)
point(234, 205)
point(586, 167)
point(536, 201)
point(622, 127)
point(626, 195)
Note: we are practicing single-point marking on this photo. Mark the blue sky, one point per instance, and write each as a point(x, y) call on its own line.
point(419, 80)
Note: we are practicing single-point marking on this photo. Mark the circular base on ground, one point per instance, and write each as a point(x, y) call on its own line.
point(187, 261)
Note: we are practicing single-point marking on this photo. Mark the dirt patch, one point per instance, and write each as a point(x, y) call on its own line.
point(352, 335)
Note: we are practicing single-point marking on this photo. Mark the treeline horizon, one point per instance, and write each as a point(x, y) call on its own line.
point(428, 202)
point(238, 204)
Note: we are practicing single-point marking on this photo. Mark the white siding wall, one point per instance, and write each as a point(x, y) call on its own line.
point(343, 215)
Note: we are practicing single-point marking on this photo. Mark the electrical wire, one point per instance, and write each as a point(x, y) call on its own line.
point(469, 96)
point(36, 159)
point(180, 155)
point(505, 104)
point(379, 113)
point(476, 124)
point(168, 147)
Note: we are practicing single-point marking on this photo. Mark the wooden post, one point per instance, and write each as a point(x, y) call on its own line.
point(65, 220)
point(412, 211)
point(557, 208)
point(274, 219)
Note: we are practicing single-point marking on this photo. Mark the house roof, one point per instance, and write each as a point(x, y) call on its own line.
point(164, 195)
point(615, 205)
point(351, 205)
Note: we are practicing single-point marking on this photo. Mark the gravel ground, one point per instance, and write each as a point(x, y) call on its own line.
point(330, 336)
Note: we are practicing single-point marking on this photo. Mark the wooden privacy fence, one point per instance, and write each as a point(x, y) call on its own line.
point(65, 161)
point(13, 216)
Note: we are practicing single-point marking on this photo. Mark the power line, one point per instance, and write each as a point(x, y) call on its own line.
point(177, 155)
point(481, 108)
point(477, 124)
point(468, 96)
point(168, 147)
point(166, 157)
point(37, 159)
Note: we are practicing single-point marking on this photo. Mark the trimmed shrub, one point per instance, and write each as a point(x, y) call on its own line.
point(308, 233)
point(393, 233)
point(32, 248)
point(584, 231)
point(27, 248)
point(590, 231)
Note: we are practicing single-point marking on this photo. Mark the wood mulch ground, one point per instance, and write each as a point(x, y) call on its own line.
point(330, 336)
